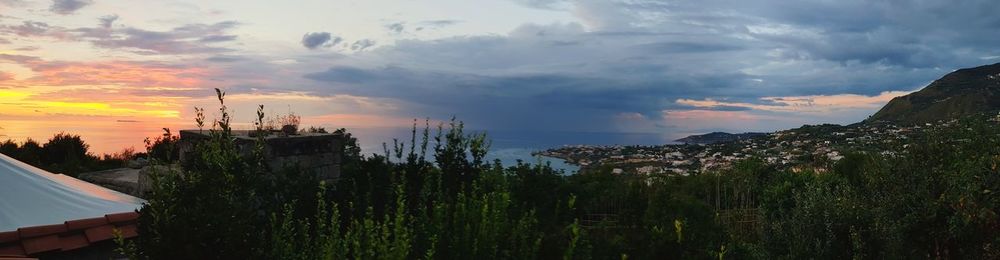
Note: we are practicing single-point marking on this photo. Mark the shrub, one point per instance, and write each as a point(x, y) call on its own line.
point(163, 148)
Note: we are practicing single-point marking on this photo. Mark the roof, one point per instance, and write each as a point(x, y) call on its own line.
point(32, 197)
point(70, 235)
point(42, 211)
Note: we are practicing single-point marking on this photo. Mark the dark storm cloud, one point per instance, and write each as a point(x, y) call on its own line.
point(685, 47)
point(481, 100)
point(898, 33)
point(65, 7)
point(315, 40)
point(541, 101)
point(642, 56)
point(344, 75)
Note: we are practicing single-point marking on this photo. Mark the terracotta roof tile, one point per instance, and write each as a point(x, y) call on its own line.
point(38, 231)
point(73, 241)
point(41, 244)
point(9, 236)
point(12, 250)
point(129, 231)
point(86, 223)
point(100, 233)
point(122, 217)
point(70, 235)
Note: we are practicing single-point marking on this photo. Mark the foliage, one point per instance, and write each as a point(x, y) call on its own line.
point(399, 205)
point(63, 153)
point(218, 201)
point(164, 147)
point(290, 119)
point(933, 199)
point(315, 130)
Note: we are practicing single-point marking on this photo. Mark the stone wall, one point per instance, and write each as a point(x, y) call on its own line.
point(318, 153)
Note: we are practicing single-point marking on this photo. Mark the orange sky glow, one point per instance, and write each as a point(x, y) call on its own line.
point(116, 104)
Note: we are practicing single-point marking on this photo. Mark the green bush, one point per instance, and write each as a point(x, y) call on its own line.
point(64, 153)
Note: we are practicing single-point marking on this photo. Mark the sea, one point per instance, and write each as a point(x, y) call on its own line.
point(509, 146)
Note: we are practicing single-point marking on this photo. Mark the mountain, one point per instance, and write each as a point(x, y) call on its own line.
point(960, 93)
point(717, 137)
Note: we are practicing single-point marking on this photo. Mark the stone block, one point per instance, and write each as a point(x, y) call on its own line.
point(314, 152)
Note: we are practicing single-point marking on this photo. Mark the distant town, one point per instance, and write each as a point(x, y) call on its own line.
point(815, 147)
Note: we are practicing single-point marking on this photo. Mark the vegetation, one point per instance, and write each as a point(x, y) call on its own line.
point(933, 199)
point(960, 93)
point(164, 148)
point(64, 153)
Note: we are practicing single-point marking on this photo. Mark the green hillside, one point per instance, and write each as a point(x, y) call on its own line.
point(960, 93)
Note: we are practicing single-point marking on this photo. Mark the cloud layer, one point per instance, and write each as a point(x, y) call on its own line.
point(599, 65)
point(650, 59)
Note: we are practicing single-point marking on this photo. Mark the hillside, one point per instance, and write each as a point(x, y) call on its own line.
point(717, 137)
point(960, 93)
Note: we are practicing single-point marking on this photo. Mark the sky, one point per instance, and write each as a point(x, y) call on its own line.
point(610, 66)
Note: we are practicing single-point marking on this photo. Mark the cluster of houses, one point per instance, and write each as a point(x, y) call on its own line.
point(816, 147)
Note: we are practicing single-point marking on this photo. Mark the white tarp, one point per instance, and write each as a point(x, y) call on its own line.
point(30, 197)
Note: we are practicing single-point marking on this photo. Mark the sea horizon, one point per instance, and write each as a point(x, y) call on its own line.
point(113, 136)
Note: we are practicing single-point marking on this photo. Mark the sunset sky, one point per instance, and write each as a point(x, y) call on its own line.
point(550, 65)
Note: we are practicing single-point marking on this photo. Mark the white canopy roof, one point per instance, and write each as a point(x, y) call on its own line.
point(30, 197)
